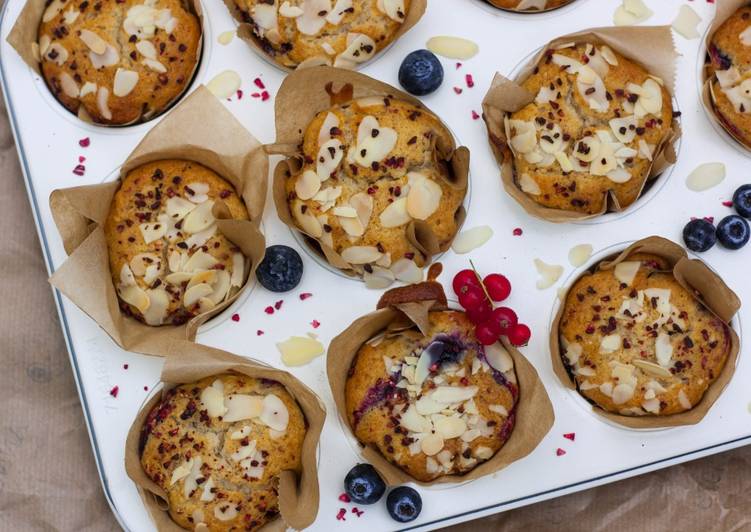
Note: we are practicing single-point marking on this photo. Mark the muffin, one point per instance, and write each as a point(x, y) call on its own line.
point(217, 447)
point(167, 258)
point(293, 32)
point(375, 171)
point(436, 404)
point(729, 71)
point(118, 61)
point(587, 140)
point(529, 5)
point(637, 343)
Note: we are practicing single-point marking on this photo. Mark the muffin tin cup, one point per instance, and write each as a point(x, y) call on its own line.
point(534, 411)
point(80, 213)
point(506, 95)
point(307, 92)
point(189, 362)
point(25, 33)
point(245, 33)
point(698, 279)
point(538, 14)
point(725, 8)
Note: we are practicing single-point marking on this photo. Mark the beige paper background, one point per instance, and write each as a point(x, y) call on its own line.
point(188, 362)
point(199, 129)
point(534, 411)
point(309, 91)
point(706, 286)
point(245, 32)
point(652, 47)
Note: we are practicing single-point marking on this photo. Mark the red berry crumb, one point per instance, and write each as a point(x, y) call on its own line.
point(255, 95)
point(239, 94)
point(727, 203)
point(84, 142)
point(79, 170)
point(258, 83)
point(340, 514)
point(458, 66)
point(114, 391)
point(469, 80)
point(315, 324)
point(125, 366)
point(305, 295)
point(710, 219)
point(570, 436)
point(145, 388)
point(235, 317)
point(518, 231)
point(458, 90)
point(81, 158)
point(344, 497)
point(475, 116)
point(265, 96)
point(559, 452)
point(269, 310)
point(357, 511)
point(259, 332)
point(278, 304)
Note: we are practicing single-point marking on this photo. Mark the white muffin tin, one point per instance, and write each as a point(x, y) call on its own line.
point(47, 138)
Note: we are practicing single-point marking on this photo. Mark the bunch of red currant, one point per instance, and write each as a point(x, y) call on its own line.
point(476, 296)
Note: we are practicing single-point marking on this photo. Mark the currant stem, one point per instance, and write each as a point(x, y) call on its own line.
point(479, 279)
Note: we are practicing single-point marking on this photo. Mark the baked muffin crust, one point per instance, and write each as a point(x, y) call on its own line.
point(341, 33)
point(168, 260)
point(217, 447)
point(372, 167)
point(595, 123)
point(729, 69)
point(637, 343)
point(433, 405)
point(118, 62)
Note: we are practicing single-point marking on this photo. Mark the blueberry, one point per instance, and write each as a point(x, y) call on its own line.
point(742, 200)
point(733, 232)
point(364, 485)
point(421, 73)
point(699, 235)
point(404, 504)
point(281, 269)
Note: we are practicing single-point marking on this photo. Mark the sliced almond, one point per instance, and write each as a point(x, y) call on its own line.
point(651, 368)
point(663, 349)
point(146, 49)
point(56, 53)
point(424, 197)
point(338, 11)
point(69, 85)
point(395, 214)
point(212, 399)
point(449, 427)
point(274, 413)
point(374, 142)
point(178, 208)
point(498, 357)
point(361, 254)
point(156, 66)
point(159, 301)
point(102, 97)
point(706, 176)
point(313, 18)
point(126, 276)
point(379, 278)
point(683, 400)
point(152, 231)
point(238, 270)
point(329, 157)
point(407, 271)
point(529, 185)
point(686, 21)
point(133, 295)
point(454, 394)
point(471, 239)
point(452, 47)
point(626, 271)
point(241, 406)
point(208, 277)
point(140, 262)
point(580, 254)
point(194, 293)
point(109, 57)
point(52, 10)
point(224, 84)
point(610, 343)
point(200, 260)
point(307, 185)
point(360, 48)
point(549, 274)
point(289, 11)
point(225, 512)
point(307, 222)
point(431, 444)
point(220, 287)
point(95, 43)
point(299, 350)
point(87, 88)
point(622, 393)
point(199, 218)
point(125, 81)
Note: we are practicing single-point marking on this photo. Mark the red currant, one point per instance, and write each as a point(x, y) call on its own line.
point(464, 279)
point(519, 335)
point(498, 286)
point(480, 313)
point(471, 297)
point(506, 319)
point(486, 334)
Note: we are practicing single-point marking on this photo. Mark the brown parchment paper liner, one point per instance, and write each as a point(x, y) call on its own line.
point(189, 362)
point(652, 47)
point(724, 9)
point(245, 32)
point(528, 11)
point(534, 411)
point(706, 286)
point(200, 129)
point(25, 32)
point(309, 91)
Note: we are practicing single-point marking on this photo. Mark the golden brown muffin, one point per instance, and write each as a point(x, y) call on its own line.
point(638, 343)
point(118, 62)
point(433, 405)
point(593, 127)
point(344, 33)
point(167, 258)
point(371, 167)
point(529, 5)
point(217, 447)
point(729, 71)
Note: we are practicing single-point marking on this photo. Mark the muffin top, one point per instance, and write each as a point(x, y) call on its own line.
point(344, 33)
point(529, 5)
point(729, 72)
point(168, 260)
point(595, 123)
point(217, 447)
point(118, 61)
point(372, 169)
point(433, 405)
point(637, 343)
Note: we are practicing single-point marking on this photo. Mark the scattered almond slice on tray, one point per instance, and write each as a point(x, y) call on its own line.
point(299, 350)
point(631, 12)
point(452, 47)
point(226, 37)
point(549, 274)
point(471, 239)
point(580, 254)
point(686, 22)
point(705, 176)
point(224, 84)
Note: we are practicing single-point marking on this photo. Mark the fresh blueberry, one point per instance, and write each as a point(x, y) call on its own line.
point(421, 73)
point(364, 485)
point(404, 504)
point(281, 269)
point(733, 232)
point(742, 200)
point(699, 235)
